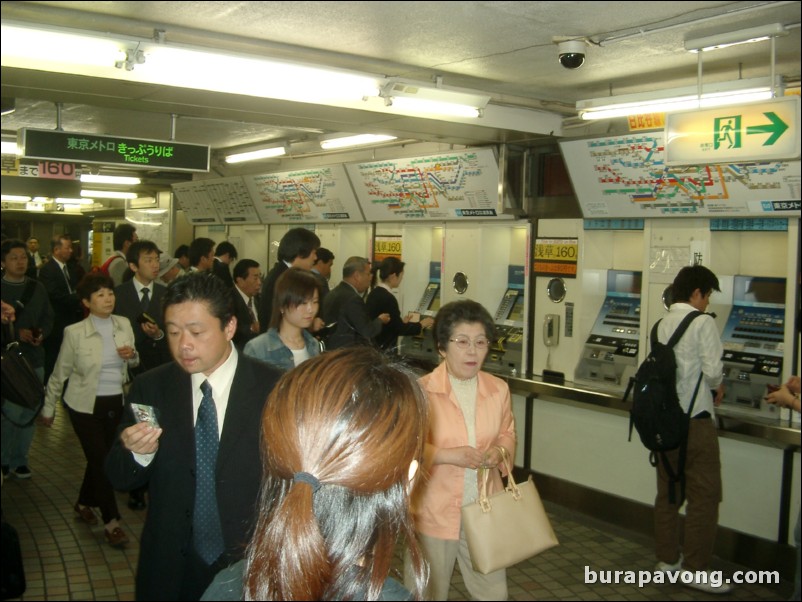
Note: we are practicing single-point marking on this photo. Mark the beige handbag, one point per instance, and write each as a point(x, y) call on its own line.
point(507, 527)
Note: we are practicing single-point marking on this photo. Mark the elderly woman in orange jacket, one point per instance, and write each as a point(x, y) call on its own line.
point(470, 420)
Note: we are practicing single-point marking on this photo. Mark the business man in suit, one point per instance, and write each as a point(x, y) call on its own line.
point(247, 281)
point(297, 249)
point(224, 254)
point(60, 287)
point(134, 303)
point(209, 390)
point(345, 306)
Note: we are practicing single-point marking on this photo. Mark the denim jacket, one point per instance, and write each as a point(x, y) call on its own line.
point(270, 348)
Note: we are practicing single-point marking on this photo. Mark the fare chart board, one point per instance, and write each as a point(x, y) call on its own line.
point(454, 185)
point(196, 203)
point(312, 195)
point(626, 177)
point(232, 200)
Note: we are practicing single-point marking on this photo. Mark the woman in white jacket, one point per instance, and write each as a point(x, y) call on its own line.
point(94, 356)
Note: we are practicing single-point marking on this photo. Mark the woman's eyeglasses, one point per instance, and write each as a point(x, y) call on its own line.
point(465, 342)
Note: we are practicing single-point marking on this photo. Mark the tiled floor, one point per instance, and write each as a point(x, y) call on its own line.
point(67, 560)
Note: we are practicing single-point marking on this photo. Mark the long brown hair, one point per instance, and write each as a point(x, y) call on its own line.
point(354, 421)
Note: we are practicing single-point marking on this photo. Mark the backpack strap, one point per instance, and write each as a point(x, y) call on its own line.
point(683, 326)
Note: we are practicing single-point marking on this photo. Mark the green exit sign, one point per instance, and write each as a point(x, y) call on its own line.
point(77, 147)
point(760, 131)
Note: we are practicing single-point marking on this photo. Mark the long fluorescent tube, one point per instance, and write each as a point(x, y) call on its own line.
point(264, 153)
point(679, 99)
point(435, 100)
point(356, 140)
point(733, 38)
point(108, 194)
point(14, 198)
point(64, 201)
point(87, 53)
point(121, 180)
point(434, 107)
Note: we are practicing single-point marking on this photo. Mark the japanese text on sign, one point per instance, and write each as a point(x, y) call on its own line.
point(556, 257)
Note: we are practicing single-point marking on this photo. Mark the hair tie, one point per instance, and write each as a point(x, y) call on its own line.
point(305, 477)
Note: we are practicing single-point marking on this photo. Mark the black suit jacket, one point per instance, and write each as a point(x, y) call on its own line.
point(244, 320)
point(67, 308)
point(344, 306)
point(266, 297)
point(127, 302)
point(221, 270)
point(382, 301)
point(166, 543)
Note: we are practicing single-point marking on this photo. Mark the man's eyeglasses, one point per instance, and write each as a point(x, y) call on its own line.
point(465, 342)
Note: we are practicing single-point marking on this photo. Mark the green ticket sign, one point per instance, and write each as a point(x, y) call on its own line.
point(113, 150)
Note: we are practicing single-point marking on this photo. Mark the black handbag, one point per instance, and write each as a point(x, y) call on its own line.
point(21, 384)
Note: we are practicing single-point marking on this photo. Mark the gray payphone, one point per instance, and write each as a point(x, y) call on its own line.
point(610, 355)
point(753, 341)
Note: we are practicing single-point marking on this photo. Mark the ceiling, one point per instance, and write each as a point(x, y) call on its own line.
point(504, 49)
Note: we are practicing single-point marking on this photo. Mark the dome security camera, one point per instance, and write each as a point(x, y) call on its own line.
point(572, 53)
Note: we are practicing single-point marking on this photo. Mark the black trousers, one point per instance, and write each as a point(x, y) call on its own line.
point(96, 432)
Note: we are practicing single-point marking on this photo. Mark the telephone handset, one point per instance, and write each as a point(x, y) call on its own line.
point(551, 330)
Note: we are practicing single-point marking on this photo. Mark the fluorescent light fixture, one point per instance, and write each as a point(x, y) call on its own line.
point(678, 99)
point(263, 153)
point(733, 38)
point(108, 194)
point(413, 97)
point(9, 148)
point(145, 60)
point(121, 180)
point(14, 198)
point(355, 140)
point(65, 201)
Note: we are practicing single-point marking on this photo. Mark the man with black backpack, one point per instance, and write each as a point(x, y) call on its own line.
point(698, 353)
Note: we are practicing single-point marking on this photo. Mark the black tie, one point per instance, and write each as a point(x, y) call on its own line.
point(207, 532)
point(67, 276)
point(250, 309)
point(145, 299)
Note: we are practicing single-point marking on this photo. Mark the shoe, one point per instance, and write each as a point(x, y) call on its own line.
point(22, 472)
point(116, 538)
point(136, 501)
point(705, 584)
point(664, 567)
point(86, 515)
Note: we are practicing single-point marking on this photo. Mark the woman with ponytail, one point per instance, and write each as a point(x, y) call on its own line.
point(342, 436)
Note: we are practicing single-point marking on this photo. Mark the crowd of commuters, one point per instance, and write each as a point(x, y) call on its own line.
point(226, 366)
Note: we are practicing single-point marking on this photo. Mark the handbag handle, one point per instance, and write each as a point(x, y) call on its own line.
point(484, 502)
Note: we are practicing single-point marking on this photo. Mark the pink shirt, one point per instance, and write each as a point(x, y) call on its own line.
point(437, 498)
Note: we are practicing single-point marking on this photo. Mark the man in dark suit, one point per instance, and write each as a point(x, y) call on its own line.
point(247, 281)
point(297, 249)
point(224, 254)
point(209, 390)
point(60, 283)
point(345, 306)
point(322, 270)
point(139, 299)
point(139, 306)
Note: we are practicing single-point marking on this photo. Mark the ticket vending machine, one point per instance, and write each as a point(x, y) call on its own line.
point(421, 347)
point(753, 341)
point(506, 354)
point(610, 355)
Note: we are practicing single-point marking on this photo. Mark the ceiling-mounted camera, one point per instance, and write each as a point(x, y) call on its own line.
point(571, 53)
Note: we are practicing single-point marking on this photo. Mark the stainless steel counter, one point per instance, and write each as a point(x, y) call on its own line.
point(731, 423)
